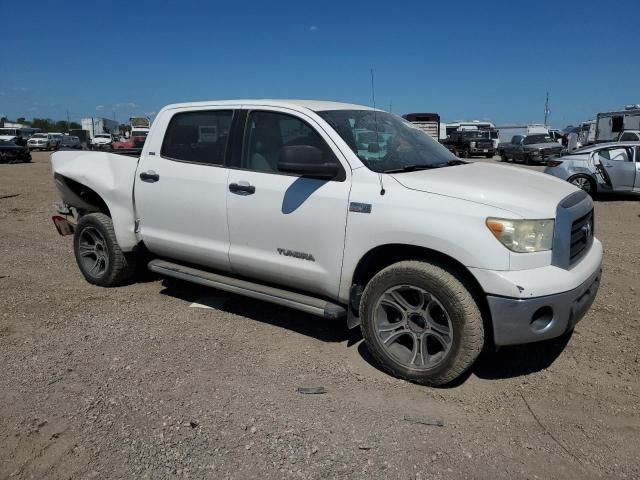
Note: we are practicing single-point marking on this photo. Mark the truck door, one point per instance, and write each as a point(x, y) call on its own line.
point(284, 228)
point(619, 165)
point(180, 190)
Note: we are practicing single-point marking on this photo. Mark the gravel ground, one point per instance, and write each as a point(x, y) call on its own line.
point(134, 383)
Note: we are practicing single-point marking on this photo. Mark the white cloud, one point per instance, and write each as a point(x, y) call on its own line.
point(150, 114)
point(20, 89)
point(126, 105)
point(99, 107)
point(313, 28)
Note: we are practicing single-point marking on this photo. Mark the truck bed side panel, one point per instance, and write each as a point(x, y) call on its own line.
point(112, 177)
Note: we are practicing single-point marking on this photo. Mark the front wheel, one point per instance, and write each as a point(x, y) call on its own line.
point(98, 254)
point(503, 157)
point(421, 323)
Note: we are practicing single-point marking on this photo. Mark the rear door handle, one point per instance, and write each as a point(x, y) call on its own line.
point(149, 177)
point(242, 188)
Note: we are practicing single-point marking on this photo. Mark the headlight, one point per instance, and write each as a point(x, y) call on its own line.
point(535, 152)
point(472, 144)
point(523, 236)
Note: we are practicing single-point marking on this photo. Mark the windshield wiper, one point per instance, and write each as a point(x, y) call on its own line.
point(410, 168)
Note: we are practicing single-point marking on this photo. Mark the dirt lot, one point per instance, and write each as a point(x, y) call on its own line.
point(134, 383)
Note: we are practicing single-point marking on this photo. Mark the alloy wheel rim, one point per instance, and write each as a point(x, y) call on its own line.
point(93, 252)
point(582, 183)
point(413, 327)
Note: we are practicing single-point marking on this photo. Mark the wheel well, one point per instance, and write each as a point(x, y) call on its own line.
point(83, 198)
point(383, 256)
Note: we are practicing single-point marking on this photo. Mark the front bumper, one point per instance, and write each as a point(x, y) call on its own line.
point(517, 320)
point(481, 150)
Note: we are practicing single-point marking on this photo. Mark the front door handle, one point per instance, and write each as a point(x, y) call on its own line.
point(149, 177)
point(242, 188)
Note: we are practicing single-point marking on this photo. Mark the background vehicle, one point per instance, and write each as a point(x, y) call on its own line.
point(629, 136)
point(529, 149)
point(70, 142)
point(10, 152)
point(469, 143)
point(19, 136)
point(429, 123)
point(601, 168)
point(97, 126)
point(83, 136)
point(57, 137)
point(472, 125)
point(102, 141)
point(507, 132)
point(342, 212)
point(42, 141)
point(610, 125)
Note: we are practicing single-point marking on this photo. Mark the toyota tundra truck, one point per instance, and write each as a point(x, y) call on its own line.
point(431, 256)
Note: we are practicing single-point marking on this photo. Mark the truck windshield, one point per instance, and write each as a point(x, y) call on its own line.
point(532, 139)
point(384, 142)
point(476, 134)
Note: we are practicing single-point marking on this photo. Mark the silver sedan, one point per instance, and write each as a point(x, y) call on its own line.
point(605, 167)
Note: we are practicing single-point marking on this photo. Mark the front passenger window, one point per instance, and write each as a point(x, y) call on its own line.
point(267, 133)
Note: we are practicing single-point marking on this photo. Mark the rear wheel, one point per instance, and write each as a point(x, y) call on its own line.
point(583, 182)
point(503, 157)
point(466, 153)
point(421, 323)
point(98, 254)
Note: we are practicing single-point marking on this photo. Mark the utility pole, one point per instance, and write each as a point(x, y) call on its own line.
point(546, 109)
point(68, 122)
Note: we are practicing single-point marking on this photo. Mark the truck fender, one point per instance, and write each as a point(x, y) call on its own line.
point(111, 177)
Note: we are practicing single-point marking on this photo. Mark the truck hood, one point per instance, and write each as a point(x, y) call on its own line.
point(521, 192)
point(8, 138)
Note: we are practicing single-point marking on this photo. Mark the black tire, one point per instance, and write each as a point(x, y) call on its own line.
point(114, 266)
point(489, 155)
point(527, 160)
point(27, 159)
point(503, 157)
point(464, 319)
point(466, 153)
point(589, 187)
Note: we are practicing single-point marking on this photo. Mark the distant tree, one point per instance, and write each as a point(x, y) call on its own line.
point(74, 126)
point(60, 126)
point(45, 124)
point(22, 120)
point(3, 119)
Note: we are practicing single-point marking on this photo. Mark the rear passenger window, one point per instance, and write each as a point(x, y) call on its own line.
point(199, 137)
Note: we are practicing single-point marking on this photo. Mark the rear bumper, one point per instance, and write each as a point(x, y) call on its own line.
point(517, 321)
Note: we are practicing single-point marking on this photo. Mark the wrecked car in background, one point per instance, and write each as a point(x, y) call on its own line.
point(608, 167)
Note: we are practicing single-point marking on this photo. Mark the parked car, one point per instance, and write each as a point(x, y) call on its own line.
point(11, 152)
point(629, 136)
point(135, 141)
point(604, 167)
point(468, 143)
point(102, 141)
point(276, 200)
point(42, 141)
point(70, 142)
point(529, 149)
point(57, 138)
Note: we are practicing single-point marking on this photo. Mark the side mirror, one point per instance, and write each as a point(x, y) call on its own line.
point(305, 160)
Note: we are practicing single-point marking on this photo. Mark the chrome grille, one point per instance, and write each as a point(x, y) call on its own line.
point(581, 236)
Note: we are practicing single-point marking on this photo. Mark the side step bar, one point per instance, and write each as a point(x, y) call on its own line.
point(298, 301)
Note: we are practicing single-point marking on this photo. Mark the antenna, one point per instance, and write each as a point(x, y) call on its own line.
point(375, 121)
point(546, 109)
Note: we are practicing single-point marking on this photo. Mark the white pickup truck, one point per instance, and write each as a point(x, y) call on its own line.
point(340, 211)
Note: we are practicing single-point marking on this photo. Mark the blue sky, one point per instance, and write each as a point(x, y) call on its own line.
point(464, 60)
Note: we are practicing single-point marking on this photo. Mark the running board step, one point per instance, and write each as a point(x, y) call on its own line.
point(298, 301)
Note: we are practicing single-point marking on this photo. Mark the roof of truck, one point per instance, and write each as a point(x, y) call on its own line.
point(315, 105)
